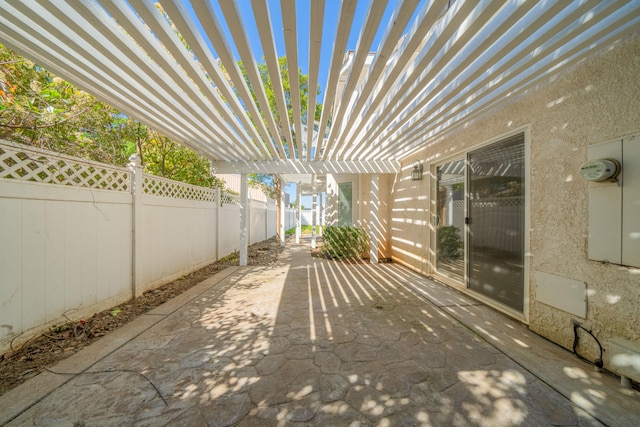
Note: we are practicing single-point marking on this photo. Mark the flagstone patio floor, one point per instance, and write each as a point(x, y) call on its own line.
point(310, 341)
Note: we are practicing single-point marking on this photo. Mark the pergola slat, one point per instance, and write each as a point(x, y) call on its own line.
point(250, 65)
point(365, 39)
point(316, 20)
point(521, 66)
point(172, 65)
point(263, 23)
point(96, 74)
point(188, 28)
point(345, 20)
point(394, 67)
point(288, 8)
point(201, 106)
point(400, 18)
point(170, 41)
point(191, 99)
point(582, 50)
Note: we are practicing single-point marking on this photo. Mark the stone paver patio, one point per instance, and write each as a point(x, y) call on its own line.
point(315, 342)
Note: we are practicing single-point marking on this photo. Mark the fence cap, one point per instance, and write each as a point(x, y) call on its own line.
point(134, 160)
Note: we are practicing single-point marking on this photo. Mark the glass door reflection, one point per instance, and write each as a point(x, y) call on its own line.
point(450, 231)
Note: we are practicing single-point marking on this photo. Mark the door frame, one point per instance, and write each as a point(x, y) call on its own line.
point(433, 191)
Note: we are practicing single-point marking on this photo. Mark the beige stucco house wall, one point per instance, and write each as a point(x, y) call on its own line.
point(595, 101)
point(362, 212)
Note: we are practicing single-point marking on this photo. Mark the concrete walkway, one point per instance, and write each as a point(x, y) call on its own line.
point(317, 342)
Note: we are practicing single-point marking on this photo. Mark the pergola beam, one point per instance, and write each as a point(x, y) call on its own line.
point(173, 66)
point(302, 167)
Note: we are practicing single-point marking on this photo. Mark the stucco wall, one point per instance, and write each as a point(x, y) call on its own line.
point(362, 205)
point(363, 201)
point(331, 210)
point(594, 101)
point(409, 219)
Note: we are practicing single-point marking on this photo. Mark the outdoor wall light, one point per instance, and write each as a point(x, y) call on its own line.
point(416, 173)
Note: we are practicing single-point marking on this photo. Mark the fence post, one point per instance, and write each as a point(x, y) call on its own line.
point(136, 224)
point(244, 214)
point(217, 236)
point(266, 219)
point(283, 213)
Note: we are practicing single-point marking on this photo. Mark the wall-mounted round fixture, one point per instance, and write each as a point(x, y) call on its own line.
point(600, 170)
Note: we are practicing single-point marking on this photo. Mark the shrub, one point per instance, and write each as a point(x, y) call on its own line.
point(449, 242)
point(344, 242)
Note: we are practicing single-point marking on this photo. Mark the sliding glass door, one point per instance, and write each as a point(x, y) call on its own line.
point(496, 221)
point(480, 221)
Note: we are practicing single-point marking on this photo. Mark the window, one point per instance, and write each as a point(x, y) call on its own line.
point(345, 204)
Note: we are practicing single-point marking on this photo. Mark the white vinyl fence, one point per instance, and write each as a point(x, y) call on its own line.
point(78, 237)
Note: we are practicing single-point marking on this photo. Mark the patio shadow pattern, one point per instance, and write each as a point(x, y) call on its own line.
point(312, 342)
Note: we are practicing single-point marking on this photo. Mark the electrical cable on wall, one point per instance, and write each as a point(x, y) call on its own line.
point(576, 338)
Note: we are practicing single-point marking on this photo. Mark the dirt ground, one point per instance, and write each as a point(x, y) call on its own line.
point(36, 355)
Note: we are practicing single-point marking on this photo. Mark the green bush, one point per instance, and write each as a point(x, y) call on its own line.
point(449, 243)
point(344, 242)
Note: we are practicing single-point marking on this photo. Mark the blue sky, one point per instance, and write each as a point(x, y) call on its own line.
point(332, 13)
point(331, 18)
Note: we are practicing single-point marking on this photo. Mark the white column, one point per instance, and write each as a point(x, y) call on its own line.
point(298, 212)
point(218, 206)
point(313, 213)
point(244, 212)
point(449, 204)
point(374, 221)
point(136, 212)
point(283, 213)
point(320, 216)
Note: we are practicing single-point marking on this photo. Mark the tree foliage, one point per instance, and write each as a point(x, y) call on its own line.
point(266, 181)
point(271, 184)
point(40, 109)
point(281, 122)
point(303, 80)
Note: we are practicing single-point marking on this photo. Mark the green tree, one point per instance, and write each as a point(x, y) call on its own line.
point(40, 109)
point(303, 80)
point(271, 184)
point(164, 157)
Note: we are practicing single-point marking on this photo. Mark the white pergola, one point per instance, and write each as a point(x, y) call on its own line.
point(439, 64)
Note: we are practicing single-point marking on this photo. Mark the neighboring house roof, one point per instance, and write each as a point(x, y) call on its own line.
point(439, 65)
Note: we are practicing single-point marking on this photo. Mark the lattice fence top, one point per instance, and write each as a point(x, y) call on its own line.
point(157, 186)
point(25, 163)
point(229, 198)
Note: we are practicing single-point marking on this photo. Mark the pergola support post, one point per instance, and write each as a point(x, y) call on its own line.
point(283, 212)
point(313, 213)
point(320, 216)
point(298, 212)
point(244, 223)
